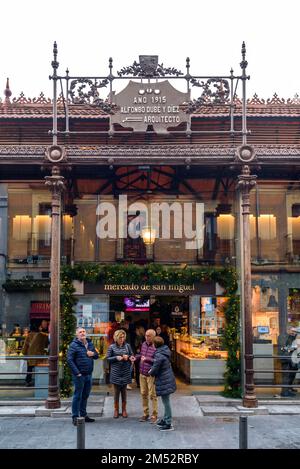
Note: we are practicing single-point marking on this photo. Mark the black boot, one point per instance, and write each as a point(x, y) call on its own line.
point(88, 419)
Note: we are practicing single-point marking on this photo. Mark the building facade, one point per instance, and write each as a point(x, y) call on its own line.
point(168, 172)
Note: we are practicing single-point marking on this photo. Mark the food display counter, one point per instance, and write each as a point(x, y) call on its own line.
point(12, 347)
point(200, 359)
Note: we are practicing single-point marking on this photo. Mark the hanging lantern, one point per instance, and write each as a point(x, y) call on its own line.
point(148, 235)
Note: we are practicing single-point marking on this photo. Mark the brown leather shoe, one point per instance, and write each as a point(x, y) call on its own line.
point(153, 419)
point(144, 418)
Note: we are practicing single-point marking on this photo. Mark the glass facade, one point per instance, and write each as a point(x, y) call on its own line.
point(29, 227)
point(196, 334)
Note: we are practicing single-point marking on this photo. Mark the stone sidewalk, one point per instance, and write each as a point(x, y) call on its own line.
point(193, 429)
point(207, 405)
point(33, 409)
point(221, 406)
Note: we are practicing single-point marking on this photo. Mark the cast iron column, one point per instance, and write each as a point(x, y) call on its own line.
point(246, 182)
point(56, 185)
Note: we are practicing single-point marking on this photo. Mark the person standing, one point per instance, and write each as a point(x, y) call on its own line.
point(164, 381)
point(120, 357)
point(36, 345)
point(28, 350)
point(80, 358)
point(147, 386)
point(139, 339)
point(161, 333)
point(288, 367)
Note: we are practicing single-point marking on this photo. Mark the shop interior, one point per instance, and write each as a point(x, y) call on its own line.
point(150, 311)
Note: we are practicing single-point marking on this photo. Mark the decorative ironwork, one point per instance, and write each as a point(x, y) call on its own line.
point(275, 100)
point(55, 154)
point(255, 100)
point(294, 100)
point(245, 153)
point(54, 62)
point(148, 67)
point(55, 181)
point(244, 62)
point(41, 99)
point(283, 152)
point(237, 101)
point(215, 91)
point(85, 91)
point(61, 99)
point(22, 99)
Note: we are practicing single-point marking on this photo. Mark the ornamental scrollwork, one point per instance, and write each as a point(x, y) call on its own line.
point(146, 68)
point(215, 91)
point(85, 91)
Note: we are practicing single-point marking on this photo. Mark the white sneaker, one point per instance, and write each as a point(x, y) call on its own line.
point(129, 387)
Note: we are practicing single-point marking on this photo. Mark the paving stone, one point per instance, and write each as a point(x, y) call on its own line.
point(92, 410)
point(284, 409)
point(10, 411)
point(219, 410)
point(279, 401)
point(217, 401)
point(260, 410)
point(43, 412)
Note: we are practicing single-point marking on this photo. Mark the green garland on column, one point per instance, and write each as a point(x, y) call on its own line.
point(152, 274)
point(67, 331)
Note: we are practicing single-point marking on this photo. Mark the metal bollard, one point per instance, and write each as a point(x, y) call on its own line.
point(243, 437)
point(80, 433)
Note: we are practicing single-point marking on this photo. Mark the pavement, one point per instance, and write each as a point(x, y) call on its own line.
point(200, 422)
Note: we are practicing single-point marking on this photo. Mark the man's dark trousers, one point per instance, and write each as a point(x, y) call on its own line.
point(83, 385)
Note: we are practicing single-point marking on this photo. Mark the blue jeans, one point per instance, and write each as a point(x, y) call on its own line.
point(83, 385)
point(168, 411)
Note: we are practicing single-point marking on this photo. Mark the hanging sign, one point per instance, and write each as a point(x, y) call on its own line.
point(156, 104)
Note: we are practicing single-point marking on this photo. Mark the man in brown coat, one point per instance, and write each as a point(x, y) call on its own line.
point(36, 343)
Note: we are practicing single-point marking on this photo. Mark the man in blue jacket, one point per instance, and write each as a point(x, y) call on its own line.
point(81, 356)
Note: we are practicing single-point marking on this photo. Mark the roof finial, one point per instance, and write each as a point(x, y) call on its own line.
point(7, 93)
point(54, 62)
point(244, 62)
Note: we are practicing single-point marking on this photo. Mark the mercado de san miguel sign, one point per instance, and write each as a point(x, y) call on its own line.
point(197, 288)
point(156, 104)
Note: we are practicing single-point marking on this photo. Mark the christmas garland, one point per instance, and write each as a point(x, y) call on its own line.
point(152, 274)
point(25, 284)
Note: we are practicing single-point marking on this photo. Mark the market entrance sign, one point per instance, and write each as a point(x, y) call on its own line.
point(208, 288)
point(156, 104)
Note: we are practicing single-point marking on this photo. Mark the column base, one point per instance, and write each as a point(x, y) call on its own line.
point(250, 401)
point(53, 403)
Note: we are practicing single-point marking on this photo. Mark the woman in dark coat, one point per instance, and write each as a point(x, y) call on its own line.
point(164, 381)
point(120, 358)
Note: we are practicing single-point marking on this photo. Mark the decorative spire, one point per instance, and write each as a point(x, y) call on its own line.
point(244, 62)
point(188, 66)
point(110, 64)
point(7, 93)
point(54, 62)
